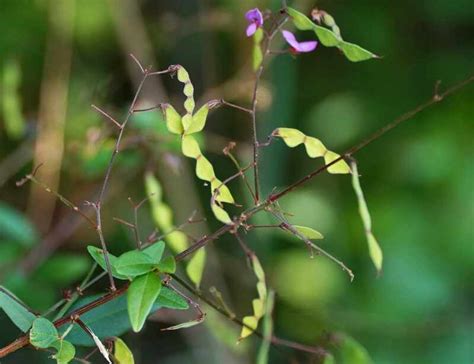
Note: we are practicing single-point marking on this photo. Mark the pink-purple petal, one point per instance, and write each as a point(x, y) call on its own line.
point(251, 29)
point(302, 47)
point(255, 16)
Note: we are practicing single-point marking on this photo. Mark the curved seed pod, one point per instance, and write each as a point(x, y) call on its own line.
point(258, 303)
point(314, 148)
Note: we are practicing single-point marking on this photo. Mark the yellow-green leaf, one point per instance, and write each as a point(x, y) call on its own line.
point(340, 167)
point(122, 353)
point(183, 75)
point(221, 214)
point(173, 119)
point(309, 232)
point(198, 120)
point(204, 169)
point(190, 147)
point(292, 137)
point(195, 267)
point(314, 147)
point(251, 323)
point(189, 105)
point(355, 53)
point(375, 251)
point(223, 194)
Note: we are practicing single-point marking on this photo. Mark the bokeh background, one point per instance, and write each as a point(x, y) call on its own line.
point(59, 57)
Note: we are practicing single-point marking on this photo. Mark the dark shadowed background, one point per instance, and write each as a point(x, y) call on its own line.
point(58, 57)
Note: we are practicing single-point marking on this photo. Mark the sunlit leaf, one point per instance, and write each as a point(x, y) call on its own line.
point(11, 99)
point(98, 255)
point(251, 323)
point(309, 232)
point(122, 352)
point(15, 310)
point(141, 295)
point(43, 333)
point(196, 266)
point(353, 352)
point(134, 263)
point(183, 75)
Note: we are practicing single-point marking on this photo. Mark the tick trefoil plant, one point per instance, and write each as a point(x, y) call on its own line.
point(144, 280)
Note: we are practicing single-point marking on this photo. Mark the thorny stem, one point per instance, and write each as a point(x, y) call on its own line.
point(24, 340)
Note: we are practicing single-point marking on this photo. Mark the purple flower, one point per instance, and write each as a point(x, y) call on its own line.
point(299, 47)
point(255, 19)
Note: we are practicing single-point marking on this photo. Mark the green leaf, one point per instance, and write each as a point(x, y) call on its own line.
point(355, 53)
point(135, 263)
point(155, 251)
point(352, 352)
point(309, 232)
point(167, 265)
point(122, 353)
point(195, 267)
point(141, 295)
point(327, 37)
point(329, 359)
point(173, 119)
point(98, 255)
point(16, 311)
point(43, 333)
point(71, 267)
point(66, 351)
point(15, 227)
point(170, 299)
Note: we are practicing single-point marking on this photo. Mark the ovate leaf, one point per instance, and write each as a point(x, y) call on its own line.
point(173, 119)
point(204, 169)
point(301, 21)
point(15, 310)
point(43, 333)
point(134, 263)
point(190, 147)
point(98, 255)
point(141, 295)
point(170, 299)
point(198, 120)
point(122, 353)
point(66, 351)
point(155, 251)
point(355, 53)
point(221, 214)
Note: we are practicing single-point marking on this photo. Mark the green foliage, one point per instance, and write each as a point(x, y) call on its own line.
point(71, 267)
point(16, 310)
point(134, 263)
point(167, 265)
point(98, 255)
point(309, 232)
point(170, 299)
point(141, 295)
point(122, 353)
point(66, 351)
point(352, 352)
point(329, 38)
point(43, 333)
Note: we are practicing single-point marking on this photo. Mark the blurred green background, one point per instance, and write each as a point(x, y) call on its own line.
point(59, 57)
